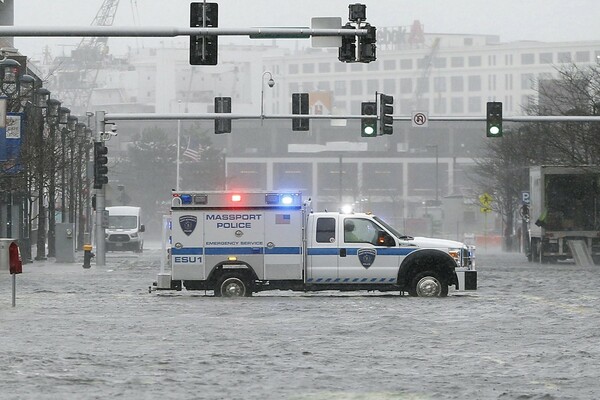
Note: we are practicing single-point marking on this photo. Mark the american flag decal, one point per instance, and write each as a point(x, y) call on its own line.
point(282, 218)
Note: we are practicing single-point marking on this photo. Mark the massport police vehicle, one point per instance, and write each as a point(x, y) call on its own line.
point(237, 244)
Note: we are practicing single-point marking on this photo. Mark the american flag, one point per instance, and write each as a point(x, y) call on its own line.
point(282, 218)
point(194, 149)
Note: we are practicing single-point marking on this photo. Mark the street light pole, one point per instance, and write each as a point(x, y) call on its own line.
point(437, 177)
point(53, 121)
point(271, 83)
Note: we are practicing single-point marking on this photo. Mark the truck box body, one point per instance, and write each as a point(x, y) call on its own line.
point(564, 205)
point(263, 241)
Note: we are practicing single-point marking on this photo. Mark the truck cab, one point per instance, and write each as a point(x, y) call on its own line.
point(125, 229)
point(358, 250)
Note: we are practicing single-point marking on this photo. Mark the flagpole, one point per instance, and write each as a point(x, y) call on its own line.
point(178, 147)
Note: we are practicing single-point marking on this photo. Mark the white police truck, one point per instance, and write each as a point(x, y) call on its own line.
point(236, 244)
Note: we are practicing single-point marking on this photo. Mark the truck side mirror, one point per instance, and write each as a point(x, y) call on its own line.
point(142, 228)
point(384, 239)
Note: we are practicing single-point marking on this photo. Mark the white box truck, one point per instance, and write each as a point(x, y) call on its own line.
point(125, 231)
point(239, 243)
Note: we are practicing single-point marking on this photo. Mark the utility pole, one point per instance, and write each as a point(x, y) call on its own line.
point(100, 200)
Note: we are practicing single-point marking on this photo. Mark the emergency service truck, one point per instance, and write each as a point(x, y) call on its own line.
point(240, 243)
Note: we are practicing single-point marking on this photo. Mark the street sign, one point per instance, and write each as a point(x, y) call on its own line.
point(525, 198)
point(420, 119)
point(485, 200)
point(326, 23)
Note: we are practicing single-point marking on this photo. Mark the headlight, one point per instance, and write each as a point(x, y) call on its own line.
point(455, 253)
point(134, 235)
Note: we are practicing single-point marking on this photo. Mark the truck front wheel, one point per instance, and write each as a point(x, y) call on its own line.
point(232, 285)
point(428, 284)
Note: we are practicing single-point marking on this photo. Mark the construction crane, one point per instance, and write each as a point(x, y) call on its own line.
point(428, 61)
point(73, 78)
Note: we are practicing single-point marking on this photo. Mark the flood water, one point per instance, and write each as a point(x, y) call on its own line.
point(531, 331)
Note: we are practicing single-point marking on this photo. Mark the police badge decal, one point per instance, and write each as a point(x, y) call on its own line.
point(188, 224)
point(366, 257)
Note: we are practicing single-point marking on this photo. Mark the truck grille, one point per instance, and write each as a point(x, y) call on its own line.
point(119, 238)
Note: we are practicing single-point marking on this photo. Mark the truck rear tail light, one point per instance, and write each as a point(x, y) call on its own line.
point(236, 198)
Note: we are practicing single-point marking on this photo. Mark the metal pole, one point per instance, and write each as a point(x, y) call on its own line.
point(14, 290)
point(178, 151)
point(100, 196)
point(437, 177)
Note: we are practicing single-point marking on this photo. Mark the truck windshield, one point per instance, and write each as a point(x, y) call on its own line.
point(390, 228)
point(122, 222)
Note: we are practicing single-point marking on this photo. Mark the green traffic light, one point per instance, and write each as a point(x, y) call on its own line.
point(369, 130)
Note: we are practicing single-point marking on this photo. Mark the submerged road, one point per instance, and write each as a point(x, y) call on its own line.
point(531, 331)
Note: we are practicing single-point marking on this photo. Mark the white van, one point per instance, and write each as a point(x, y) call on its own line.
point(125, 229)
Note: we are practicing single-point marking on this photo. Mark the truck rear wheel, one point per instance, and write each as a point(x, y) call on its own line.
point(428, 284)
point(232, 285)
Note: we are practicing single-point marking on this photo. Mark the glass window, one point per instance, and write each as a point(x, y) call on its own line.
point(546, 58)
point(439, 62)
point(564, 57)
point(527, 81)
point(340, 87)
point(474, 61)
point(324, 67)
point(474, 104)
point(474, 83)
point(406, 63)
point(372, 86)
point(122, 222)
point(389, 86)
point(527, 58)
point(456, 105)
point(439, 84)
point(358, 230)
point(439, 105)
point(457, 62)
point(308, 68)
point(325, 230)
point(423, 84)
point(339, 67)
point(356, 87)
point(582, 56)
point(405, 85)
point(356, 67)
point(456, 84)
point(323, 85)
point(389, 65)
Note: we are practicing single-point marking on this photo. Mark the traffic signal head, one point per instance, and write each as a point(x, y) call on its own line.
point(100, 168)
point(223, 105)
point(494, 119)
point(300, 106)
point(386, 109)
point(368, 123)
point(203, 48)
point(366, 45)
point(347, 51)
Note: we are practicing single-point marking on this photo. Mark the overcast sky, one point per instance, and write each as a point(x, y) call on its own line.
point(543, 20)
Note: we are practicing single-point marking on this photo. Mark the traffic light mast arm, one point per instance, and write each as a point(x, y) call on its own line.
point(136, 31)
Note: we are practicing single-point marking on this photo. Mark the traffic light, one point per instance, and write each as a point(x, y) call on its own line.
point(386, 109)
point(494, 119)
point(300, 106)
point(203, 48)
point(368, 122)
point(366, 45)
point(347, 51)
point(100, 168)
point(223, 105)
